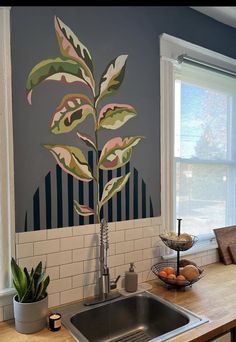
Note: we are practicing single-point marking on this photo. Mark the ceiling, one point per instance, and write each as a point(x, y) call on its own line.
point(226, 15)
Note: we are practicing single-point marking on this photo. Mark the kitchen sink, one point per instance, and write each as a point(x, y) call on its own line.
point(137, 318)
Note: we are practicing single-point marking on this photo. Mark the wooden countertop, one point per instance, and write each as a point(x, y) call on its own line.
point(214, 296)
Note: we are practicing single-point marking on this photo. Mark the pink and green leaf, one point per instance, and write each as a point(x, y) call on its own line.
point(112, 77)
point(114, 115)
point(117, 152)
point(71, 47)
point(112, 187)
point(87, 140)
point(72, 160)
point(83, 210)
point(55, 69)
point(73, 109)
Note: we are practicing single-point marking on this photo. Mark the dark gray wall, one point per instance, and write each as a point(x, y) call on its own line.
point(107, 32)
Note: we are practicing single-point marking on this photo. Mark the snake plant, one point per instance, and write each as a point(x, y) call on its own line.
point(30, 287)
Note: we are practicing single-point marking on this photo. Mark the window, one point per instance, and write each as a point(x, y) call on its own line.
point(7, 222)
point(200, 155)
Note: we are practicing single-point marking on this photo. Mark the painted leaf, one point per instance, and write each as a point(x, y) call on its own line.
point(117, 152)
point(55, 69)
point(72, 160)
point(113, 115)
point(87, 139)
point(73, 109)
point(113, 186)
point(71, 47)
point(112, 77)
point(83, 210)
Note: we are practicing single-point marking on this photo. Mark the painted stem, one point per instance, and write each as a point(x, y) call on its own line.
point(97, 168)
point(97, 179)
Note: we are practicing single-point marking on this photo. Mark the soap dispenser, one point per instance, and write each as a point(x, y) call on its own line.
point(131, 279)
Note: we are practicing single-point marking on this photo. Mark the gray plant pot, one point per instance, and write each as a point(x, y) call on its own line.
point(30, 317)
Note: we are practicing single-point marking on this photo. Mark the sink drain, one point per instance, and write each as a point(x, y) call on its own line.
point(135, 336)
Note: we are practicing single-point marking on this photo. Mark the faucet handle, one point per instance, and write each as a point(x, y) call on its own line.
point(113, 283)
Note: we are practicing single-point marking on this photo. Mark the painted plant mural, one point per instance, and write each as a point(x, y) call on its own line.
point(75, 66)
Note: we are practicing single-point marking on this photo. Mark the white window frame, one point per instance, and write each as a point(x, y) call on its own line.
point(170, 49)
point(7, 204)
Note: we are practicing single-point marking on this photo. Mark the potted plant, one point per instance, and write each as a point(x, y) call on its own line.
point(30, 304)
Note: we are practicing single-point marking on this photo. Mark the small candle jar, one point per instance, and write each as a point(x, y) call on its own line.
point(55, 321)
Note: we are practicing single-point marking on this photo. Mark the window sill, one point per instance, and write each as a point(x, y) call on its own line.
point(6, 296)
point(199, 247)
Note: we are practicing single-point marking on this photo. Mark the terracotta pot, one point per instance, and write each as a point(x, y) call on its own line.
point(30, 317)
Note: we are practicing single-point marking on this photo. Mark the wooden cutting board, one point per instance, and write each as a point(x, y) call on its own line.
point(225, 236)
point(232, 252)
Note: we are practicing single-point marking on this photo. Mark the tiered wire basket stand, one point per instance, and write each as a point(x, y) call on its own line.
point(179, 246)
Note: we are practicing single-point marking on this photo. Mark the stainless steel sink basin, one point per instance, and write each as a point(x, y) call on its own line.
point(140, 317)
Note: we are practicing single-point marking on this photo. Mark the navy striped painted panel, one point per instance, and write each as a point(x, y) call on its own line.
point(52, 204)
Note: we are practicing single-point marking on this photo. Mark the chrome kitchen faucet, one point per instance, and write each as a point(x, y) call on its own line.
point(104, 282)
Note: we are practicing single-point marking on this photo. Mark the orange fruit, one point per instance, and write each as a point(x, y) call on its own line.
point(171, 278)
point(162, 274)
point(180, 279)
point(169, 270)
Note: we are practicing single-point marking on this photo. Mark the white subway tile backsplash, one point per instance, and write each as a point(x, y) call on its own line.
point(116, 260)
point(148, 275)
point(125, 246)
point(89, 291)
point(85, 279)
point(85, 253)
point(116, 236)
point(71, 269)
point(120, 270)
point(150, 253)
point(46, 247)
point(78, 280)
point(150, 231)
point(59, 233)
point(143, 265)
point(111, 249)
point(142, 243)
point(112, 272)
point(91, 240)
point(32, 261)
point(37, 235)
point(156, 221)
point(123, 225)
point(133, 257)
point(53, 272)
point(71, 255)
point(60, 258)
point(53, 300)
point(72, 243)
point(156, 242)
point(59, 285)
point(133, 234)
point(71, 295)
point(91, 265)
point(84, 230)
point(24, 250)
point(142, 222)
point(111, 226)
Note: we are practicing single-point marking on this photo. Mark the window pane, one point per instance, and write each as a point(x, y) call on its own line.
point(204, 196)
point(202, 121)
